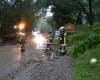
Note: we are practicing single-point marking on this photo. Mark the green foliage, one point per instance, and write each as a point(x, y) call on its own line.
point(15, 11)
point(96, 30)
point(81, 33)
point(62, 11)
point(78, 48)
point(51, 22)
point(91, 41)
point(66, 10)
point(80, 37)
point(83, 69)
point(45, 29)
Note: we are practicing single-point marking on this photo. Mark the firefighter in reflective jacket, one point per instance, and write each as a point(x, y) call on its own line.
point(63, 41)
point(22, 41)
point(60, 35)
point(50, 40)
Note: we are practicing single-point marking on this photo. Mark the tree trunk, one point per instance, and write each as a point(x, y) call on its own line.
point(79, 18)
point(91, 14)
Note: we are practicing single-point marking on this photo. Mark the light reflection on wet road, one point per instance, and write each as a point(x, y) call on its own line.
point(10, 55)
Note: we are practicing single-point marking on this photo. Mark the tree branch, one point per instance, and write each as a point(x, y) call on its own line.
point(83, 8)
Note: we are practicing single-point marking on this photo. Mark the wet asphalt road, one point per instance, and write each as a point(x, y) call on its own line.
point(10, 55)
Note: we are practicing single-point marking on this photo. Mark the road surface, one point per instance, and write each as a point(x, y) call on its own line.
point(11, 57)
point(15, 65)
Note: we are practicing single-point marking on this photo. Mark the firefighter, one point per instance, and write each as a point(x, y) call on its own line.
point(49, 50)
point(22, 41)
point(60, 35)
point(63, 42)
point(50, 40)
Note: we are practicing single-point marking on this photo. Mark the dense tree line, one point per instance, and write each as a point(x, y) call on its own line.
point(13, 12)
point(73, 11)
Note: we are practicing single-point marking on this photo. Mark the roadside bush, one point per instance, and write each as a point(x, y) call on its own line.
point(78, 48)
point(91, 41)
point(96, 30)
point(78, 37)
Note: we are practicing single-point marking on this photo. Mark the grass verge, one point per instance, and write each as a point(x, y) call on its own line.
point(83, 69)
